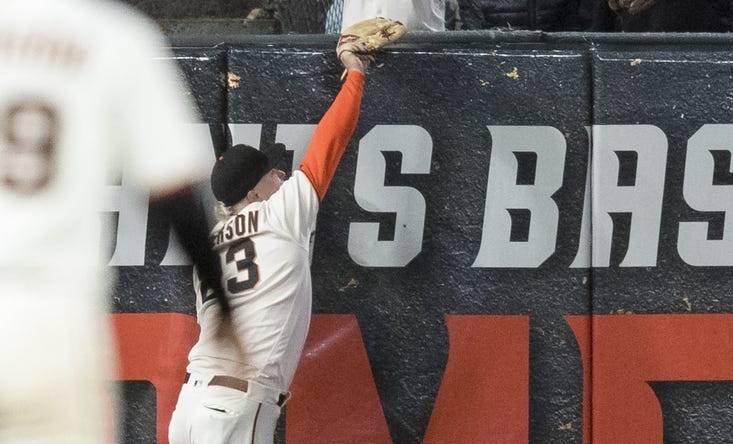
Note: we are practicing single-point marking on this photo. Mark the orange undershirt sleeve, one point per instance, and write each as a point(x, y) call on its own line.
point(333, 134)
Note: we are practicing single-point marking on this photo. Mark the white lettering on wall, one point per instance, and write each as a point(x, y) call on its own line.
point(372, 195)
point(503, 194)
point(643, 199)
point(701, 194)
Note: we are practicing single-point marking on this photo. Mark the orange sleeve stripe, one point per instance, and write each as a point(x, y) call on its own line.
point(333, 133)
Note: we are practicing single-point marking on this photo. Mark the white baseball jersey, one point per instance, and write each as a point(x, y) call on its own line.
point(80, 96)
point(265, 254)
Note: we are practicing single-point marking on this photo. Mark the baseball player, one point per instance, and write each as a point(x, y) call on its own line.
point(231, 394)
point(80, 95)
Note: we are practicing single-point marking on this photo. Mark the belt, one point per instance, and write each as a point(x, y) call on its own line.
point(236, 384)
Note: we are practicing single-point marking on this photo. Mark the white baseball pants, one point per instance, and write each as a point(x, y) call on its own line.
point(53, 377)
point(207, 414)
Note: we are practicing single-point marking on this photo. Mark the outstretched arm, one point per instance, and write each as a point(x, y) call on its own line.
point(335, 128)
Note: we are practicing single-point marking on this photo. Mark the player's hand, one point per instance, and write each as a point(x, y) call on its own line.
point(354, 62)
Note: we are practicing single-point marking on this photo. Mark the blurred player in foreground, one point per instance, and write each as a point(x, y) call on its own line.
point(235, 395)
point(80, 95)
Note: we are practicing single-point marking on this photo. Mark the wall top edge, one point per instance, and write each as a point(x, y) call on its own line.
point(468, 38)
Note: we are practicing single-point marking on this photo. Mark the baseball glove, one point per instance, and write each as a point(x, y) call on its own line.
point(369, 35)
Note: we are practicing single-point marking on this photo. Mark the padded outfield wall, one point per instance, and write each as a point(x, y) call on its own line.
point(529, 239)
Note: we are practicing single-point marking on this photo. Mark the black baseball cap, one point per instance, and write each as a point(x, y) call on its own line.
point(239, 169)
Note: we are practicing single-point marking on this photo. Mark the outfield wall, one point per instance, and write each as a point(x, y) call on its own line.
point(481, 275)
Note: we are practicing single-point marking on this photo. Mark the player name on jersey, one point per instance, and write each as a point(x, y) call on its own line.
point(49, 49)
point(241, 225)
